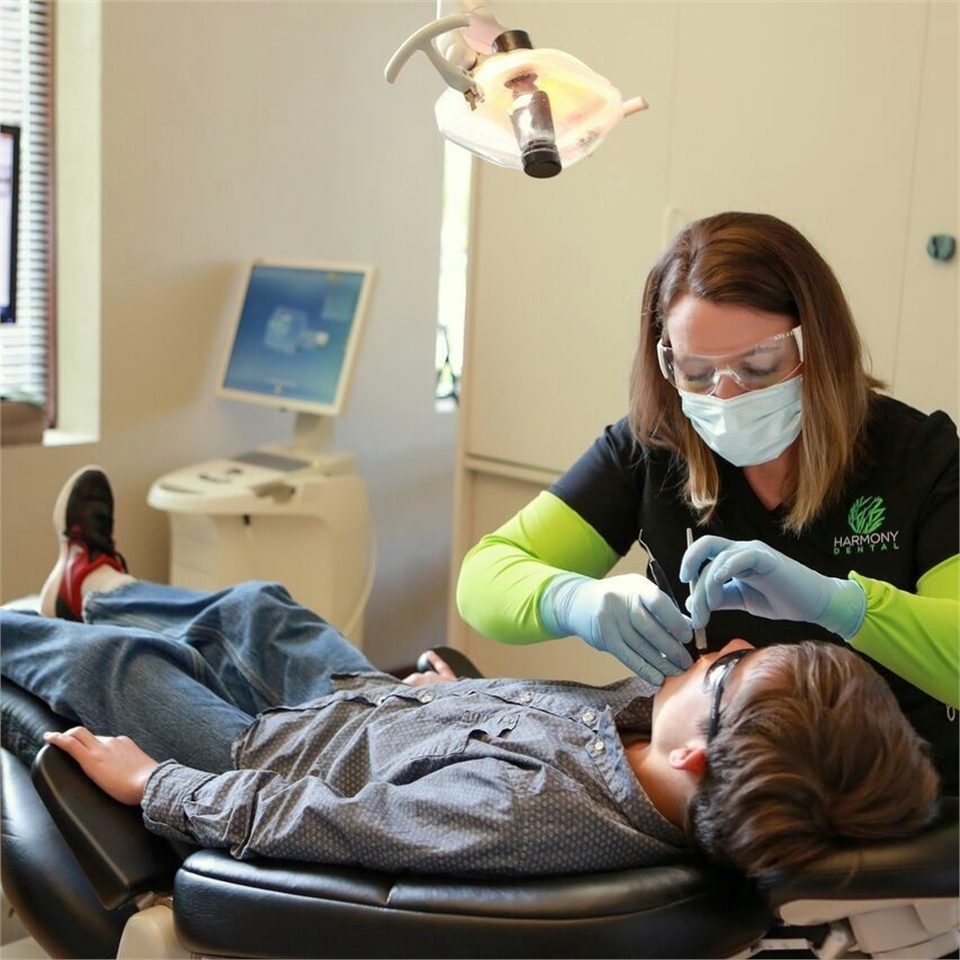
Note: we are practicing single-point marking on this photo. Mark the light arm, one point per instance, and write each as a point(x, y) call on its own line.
point(535, 110)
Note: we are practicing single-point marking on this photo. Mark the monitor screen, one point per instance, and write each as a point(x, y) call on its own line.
point(9, 184)
point(296, 335)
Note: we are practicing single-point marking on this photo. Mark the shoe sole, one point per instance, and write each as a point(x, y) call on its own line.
point(63, 498)
point(51, 603)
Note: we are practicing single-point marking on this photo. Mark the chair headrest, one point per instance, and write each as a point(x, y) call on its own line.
point(927, 865)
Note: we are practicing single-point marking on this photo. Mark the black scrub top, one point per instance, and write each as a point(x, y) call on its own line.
point(895, 519)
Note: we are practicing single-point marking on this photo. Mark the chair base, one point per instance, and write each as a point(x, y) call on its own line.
point(152, 933)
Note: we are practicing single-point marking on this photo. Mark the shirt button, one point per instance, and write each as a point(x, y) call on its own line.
point(526, 697)
point(381, 700)
point(589, 717)
point(598, 746)
point(426, 697)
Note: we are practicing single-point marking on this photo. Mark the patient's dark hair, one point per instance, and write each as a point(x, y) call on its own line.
point(812, 754)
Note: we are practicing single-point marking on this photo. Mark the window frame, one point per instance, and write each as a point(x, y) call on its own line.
point(34, 333)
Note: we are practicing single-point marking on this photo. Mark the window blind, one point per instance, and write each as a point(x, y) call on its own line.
point(26, 69)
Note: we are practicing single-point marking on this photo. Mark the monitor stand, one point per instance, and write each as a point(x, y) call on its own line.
point(312, 433)
point(311, 447)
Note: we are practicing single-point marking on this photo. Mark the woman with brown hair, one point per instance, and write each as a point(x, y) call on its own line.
point(821, 506)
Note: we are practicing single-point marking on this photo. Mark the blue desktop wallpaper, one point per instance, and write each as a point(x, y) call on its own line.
point(292, 335)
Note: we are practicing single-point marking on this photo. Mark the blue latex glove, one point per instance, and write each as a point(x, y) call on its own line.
point(749, 575)
point(628, 616)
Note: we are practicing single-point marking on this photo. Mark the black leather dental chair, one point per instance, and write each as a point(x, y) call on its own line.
point(88, 880)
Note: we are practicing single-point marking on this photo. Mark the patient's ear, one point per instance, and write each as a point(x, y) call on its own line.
point(692, 757)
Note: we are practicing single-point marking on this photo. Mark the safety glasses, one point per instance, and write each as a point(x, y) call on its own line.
point(715, 681)
point(765, 364)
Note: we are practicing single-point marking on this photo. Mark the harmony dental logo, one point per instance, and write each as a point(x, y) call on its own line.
point(865, 518)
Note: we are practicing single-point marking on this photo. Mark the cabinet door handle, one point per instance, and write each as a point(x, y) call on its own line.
point(941, 246)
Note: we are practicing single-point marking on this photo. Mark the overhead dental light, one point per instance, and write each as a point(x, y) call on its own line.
point(539, 111)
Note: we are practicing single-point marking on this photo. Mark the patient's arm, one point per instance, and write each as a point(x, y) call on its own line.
point(120, 768)
point(115, 764)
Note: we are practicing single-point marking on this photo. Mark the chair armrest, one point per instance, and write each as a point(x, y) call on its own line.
point(120, 857)
point(458, 662)
point(42, 879)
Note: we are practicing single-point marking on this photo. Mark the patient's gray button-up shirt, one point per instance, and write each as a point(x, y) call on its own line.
point(477, 777)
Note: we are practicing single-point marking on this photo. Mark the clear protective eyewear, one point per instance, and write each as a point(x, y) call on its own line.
point(765, 364)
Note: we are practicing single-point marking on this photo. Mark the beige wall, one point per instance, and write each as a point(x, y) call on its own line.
point(240, 129)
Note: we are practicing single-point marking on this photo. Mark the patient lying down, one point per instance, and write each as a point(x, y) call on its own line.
point(257, 727)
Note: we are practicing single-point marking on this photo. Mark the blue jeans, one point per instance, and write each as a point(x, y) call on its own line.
point(180, 671)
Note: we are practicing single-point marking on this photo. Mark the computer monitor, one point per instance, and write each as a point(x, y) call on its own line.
point(9, 189)
point(296, 336)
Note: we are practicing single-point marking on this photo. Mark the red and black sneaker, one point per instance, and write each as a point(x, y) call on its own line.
point(83, 519)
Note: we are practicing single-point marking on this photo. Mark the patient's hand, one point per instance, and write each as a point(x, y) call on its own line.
point(443, 673)
point(115, 764)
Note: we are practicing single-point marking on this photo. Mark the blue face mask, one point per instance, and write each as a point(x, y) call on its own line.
point(755, 427)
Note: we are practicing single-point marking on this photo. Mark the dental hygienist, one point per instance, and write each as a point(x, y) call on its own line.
point(818, 504)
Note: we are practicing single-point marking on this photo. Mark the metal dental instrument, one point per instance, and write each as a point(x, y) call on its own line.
point(656, 574)
point(700, 635)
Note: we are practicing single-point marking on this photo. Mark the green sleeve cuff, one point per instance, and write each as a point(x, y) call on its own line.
point(502, 577)
point(916, 636)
